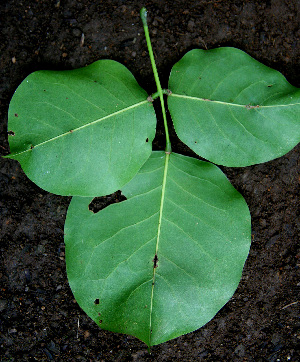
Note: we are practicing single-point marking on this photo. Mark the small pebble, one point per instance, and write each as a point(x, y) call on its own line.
point(86, 334)
point(3, 304)
point(190, 25)
point(76, 32)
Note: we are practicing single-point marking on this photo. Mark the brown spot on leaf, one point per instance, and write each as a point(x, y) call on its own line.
point(249, 106)
point(150, 99)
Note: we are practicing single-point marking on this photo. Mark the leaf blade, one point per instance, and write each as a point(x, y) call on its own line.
point(94, 115)
point(129, 255)
point(237, 112)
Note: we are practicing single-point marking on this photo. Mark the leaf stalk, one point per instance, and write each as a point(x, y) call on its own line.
point(143, 14)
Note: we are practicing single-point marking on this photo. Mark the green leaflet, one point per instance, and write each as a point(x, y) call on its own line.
point(194, 257)
point(231, 109)
point(81, 132)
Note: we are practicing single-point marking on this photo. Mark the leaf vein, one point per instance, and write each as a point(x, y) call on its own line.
point(189, 236)
point(196, 197)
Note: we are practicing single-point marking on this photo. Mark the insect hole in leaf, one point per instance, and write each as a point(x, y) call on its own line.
point(100, 203)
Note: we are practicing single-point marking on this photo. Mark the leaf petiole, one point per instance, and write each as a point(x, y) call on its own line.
point(160, 92)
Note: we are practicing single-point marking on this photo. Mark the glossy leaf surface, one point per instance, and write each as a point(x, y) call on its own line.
point(163, 262)
point(81, 132)
point(231, 109)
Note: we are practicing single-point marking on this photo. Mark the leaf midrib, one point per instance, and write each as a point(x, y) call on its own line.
point(229, 103)
point(162, 201)
point(120, 111)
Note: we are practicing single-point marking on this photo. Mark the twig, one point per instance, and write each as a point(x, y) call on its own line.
point(290, 304)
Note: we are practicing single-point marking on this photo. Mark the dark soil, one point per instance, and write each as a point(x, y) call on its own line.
point(40, 319)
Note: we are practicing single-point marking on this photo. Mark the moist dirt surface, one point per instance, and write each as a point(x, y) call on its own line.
point(40, 320)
